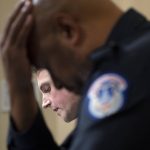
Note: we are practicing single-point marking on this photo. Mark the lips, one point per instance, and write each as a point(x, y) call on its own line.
point(55, 109)
point(58, 111)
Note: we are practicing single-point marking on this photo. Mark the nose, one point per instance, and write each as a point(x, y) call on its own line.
point(46, 103)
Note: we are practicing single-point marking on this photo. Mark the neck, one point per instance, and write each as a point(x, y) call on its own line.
point(98, 30)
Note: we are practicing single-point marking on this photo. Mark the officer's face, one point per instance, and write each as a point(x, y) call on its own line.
point(63, 102)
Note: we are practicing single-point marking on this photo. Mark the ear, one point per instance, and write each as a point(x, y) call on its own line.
point(69, 30)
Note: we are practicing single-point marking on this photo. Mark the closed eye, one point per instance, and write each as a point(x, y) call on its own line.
point(45, 88)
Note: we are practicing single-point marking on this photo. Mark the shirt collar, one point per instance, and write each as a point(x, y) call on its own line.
point(125, 27)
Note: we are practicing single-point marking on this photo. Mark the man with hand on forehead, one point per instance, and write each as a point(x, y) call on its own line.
point(92, 48)
point(24, 109)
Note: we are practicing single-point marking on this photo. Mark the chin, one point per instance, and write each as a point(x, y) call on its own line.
point(68, 119)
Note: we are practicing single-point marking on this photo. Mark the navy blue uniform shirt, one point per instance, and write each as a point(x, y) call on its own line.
point(115, 111)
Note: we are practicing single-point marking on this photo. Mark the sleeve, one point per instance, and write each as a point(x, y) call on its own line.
point(38, 137)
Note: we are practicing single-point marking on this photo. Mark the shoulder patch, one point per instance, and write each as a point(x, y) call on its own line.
point(106, 95)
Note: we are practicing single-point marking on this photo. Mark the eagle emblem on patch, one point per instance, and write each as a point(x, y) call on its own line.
point(106, 95)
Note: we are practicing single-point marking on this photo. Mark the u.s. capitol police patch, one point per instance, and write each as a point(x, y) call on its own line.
point(106, 95)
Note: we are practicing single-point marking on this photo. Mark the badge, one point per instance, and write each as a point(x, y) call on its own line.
point(106, 95)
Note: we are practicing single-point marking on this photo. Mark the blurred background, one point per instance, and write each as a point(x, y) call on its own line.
point(59, 128)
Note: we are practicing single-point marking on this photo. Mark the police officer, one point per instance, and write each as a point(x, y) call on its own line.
point(92, 48)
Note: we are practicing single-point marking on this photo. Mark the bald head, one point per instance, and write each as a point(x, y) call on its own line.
point(66, 32)
point(96, 15)
point(83, 8)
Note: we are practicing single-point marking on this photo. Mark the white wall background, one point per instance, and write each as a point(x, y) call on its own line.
point(58, 127)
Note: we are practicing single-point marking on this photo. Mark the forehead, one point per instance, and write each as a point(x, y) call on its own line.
point(42, 6)
point(35, 2)
point(43, 76)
